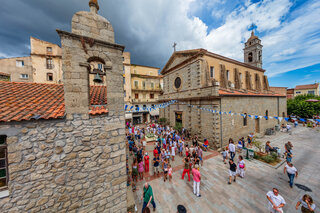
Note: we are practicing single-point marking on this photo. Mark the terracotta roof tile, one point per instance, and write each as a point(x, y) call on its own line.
point(223, 92)
point(307, 86)
point(26, 101)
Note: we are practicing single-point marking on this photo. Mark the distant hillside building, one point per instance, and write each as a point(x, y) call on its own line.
point(143, 85)
point(204, 79)
point(42, 66)
point(307, 89)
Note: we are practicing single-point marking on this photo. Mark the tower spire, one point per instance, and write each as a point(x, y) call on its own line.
point(94, 6)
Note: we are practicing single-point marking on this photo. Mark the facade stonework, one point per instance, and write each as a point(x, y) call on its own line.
point(66, 165)
point(74, 162)
point(207, 80)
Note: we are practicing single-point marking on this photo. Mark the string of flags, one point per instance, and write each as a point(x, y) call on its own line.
point(244, 115)
point(128, 108)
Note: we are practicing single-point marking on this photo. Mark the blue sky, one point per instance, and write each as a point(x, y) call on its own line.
point(289, 30)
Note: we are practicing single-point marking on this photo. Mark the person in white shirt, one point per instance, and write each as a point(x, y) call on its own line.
point(276, 201)
point(173, 152)
point(291, 171)
point(232, 149)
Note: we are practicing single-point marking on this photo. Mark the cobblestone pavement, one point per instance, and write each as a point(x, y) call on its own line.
point(248, 194)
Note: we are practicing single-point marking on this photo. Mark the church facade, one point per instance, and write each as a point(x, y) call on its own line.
point(201, 79)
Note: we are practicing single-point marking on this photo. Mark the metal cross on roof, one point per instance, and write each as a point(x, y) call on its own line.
point(174, 46)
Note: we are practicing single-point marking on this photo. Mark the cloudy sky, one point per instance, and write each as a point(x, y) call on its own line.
point(289, 30)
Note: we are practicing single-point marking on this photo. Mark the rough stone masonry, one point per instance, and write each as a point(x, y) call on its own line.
point(74, 164)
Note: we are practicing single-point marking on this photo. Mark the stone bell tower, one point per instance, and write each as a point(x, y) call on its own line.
point(91, 42)
point(253, 51)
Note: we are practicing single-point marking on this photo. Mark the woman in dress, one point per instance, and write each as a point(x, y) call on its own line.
point(141, 169)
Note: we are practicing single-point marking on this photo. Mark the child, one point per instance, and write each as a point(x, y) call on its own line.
point(165, 170)
point(241, 167)
point(239, 145)
point(170, 172)
point(289, 156)
point(156, 163)
point(232, 171)
point(224, 155)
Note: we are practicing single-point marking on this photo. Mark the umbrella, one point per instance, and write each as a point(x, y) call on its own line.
point(312, 100)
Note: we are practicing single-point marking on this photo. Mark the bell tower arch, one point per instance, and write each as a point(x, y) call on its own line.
point(253, 51)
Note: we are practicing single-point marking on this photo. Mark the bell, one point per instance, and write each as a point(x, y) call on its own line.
point(97, 79)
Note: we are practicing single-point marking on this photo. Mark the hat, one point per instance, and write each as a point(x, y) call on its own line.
point(146, 153)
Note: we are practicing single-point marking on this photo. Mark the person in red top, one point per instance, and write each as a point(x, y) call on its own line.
point(196, 180)
point(155, 151)
point(146, 162)
point(205, 144)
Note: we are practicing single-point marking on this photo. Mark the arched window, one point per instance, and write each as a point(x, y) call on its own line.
point(250, 57)
point(267, 114)
point(245, 119)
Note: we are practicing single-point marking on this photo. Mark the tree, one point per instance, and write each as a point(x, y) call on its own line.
point(298, 106)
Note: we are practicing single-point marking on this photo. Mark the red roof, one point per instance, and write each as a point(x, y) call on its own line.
point(26, 101)
point(247, 93)
point(307, 86)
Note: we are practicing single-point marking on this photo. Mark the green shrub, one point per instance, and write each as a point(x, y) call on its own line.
point(274, 156)
point(178, 127)
point(268, 159)
point(163, 121)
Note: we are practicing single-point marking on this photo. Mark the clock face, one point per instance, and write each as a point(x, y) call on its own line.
point(177, 82)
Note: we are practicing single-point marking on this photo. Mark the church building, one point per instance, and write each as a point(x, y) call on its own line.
point(199, 79)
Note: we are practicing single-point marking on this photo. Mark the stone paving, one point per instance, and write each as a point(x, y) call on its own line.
point(248, 194)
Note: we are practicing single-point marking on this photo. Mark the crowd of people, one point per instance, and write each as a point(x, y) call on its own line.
point(170, 143)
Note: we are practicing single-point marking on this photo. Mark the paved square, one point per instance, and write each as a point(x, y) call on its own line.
point(248, 194)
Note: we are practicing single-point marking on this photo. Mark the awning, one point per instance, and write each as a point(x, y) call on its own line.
point(128, 115)
point(154, 112)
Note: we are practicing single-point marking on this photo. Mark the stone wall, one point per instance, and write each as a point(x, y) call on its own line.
point(73, 165)
point(208, 125)
point(232, 126)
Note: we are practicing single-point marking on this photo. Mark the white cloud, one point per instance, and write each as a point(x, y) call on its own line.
point(157, 24)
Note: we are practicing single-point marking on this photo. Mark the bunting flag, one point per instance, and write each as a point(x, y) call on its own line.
point(166, 104)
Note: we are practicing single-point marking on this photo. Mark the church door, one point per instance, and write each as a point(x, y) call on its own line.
point(257, 122)
point(178, 117)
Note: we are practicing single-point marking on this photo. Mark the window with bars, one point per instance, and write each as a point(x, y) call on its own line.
point(3, 163)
